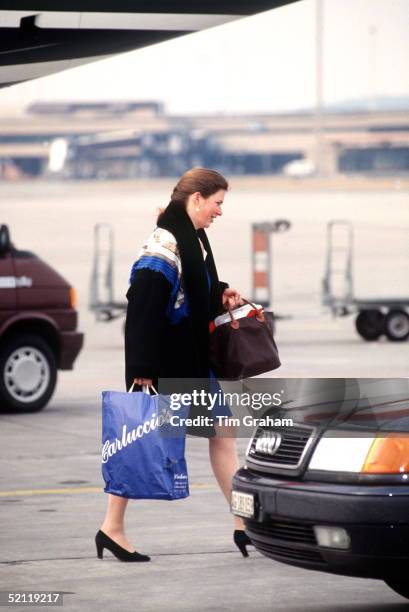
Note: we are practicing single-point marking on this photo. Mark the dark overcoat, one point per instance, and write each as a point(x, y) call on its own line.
point(158, 345)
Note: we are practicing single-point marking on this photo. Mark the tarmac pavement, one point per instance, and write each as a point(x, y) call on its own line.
point(51, 492)
point(52, 503)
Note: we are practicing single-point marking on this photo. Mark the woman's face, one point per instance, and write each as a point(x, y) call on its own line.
point(209, 209)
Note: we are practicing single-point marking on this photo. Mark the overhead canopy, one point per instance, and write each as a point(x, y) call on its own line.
point(40, 37)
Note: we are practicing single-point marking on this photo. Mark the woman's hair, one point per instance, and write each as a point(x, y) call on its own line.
point(203, 180)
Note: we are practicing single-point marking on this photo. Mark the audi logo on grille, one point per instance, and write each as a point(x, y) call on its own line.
point(268, 443)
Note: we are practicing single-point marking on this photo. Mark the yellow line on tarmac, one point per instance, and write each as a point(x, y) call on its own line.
point(27, 492)
point(50, 491)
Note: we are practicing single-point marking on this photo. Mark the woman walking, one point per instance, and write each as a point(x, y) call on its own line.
point(174, 293)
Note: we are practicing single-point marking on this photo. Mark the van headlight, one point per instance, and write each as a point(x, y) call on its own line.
point(73, 298)
point(374, 454)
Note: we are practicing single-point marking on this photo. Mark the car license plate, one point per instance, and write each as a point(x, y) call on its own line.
point(242, 504)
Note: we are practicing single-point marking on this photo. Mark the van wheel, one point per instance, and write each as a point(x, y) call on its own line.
point(370, 324)
point(397, 325)
point(399, 584)
point(28, 374)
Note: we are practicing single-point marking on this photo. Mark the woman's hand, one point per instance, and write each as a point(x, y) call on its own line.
point(143, 381)
point(231, 298)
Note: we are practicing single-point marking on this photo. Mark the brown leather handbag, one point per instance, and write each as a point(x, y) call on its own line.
point(244, 347)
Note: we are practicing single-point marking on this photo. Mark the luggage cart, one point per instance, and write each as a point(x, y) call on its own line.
point(375, 316)
point(101, 293)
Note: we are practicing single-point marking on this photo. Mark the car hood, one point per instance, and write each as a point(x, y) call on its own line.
point(363, 404)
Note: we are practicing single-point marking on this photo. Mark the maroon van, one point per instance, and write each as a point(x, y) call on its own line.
point(38, 328)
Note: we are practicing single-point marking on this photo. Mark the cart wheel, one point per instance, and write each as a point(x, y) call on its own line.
point(397, 325)
point(370, 324)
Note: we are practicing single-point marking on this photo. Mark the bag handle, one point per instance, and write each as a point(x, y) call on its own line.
point(260, 314)
point(235, 323)
point(145, 389)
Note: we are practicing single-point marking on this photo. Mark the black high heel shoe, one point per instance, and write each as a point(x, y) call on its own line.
point(103, 541)
point(241, 540)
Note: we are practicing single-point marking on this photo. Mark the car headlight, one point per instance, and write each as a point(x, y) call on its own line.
point(375, 454)
point(388, 455)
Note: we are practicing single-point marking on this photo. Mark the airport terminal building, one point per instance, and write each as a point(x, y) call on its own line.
point(108, 140)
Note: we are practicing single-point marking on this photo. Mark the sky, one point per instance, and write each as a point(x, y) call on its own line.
point(264, 63)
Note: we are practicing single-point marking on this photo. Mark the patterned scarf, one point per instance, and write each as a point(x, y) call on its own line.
point(203, 307)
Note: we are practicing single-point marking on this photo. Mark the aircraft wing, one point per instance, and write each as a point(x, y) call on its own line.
point(40, 37)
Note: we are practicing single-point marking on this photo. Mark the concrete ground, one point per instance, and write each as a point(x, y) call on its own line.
point(51, 497)
point(52, 503)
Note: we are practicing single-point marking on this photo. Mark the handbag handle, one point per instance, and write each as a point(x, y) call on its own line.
point(145, 389)
point(260, 314)
point(235, 323)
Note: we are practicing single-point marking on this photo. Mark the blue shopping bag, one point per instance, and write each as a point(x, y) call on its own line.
point(143, 455)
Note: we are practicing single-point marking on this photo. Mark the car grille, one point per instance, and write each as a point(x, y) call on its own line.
point(286, 541)
point(292, 532)
point(288, 453)
point(291, 554)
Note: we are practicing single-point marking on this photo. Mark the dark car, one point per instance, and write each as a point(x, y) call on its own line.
point(331, 492)
point(38, 328)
